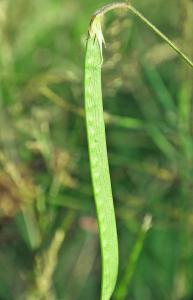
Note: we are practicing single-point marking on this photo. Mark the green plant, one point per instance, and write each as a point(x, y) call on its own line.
point(97, 143)
point(99, 166)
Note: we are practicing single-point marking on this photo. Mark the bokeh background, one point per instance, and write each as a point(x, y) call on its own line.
point(49, 246)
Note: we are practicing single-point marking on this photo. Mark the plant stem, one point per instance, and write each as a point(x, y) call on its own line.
point(160, 34)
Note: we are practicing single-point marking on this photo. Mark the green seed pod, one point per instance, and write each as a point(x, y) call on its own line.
point(97, 142)
point(99, 166)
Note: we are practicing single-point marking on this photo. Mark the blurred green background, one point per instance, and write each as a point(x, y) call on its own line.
point(48, 233)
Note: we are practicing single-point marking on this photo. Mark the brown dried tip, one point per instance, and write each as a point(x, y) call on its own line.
point(103, 10)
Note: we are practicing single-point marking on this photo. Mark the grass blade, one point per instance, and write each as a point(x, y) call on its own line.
point(100, 168)
point(122, 288)
point(97, 142)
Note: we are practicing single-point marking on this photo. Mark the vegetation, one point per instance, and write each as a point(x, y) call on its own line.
point(49, 239)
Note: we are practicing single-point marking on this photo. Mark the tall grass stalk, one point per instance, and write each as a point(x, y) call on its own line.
point(97, 142)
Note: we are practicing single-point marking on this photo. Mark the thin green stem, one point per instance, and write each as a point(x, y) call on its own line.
point(160, 34)
point(131, 263)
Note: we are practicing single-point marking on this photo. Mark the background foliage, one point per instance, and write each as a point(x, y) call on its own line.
point(48, 242)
